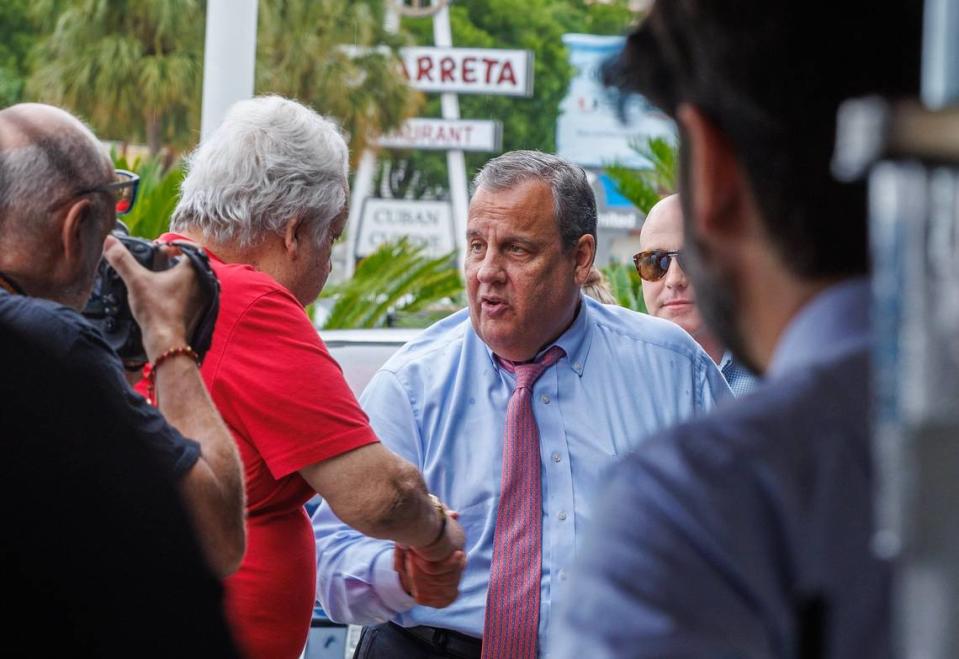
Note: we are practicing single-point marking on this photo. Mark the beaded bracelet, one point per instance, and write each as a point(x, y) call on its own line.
point(152, 375)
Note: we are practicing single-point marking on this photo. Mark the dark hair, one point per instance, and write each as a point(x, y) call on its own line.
point(770, 74)
point(573, 199)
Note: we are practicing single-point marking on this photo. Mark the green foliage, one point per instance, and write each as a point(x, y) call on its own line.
point(301, 54)
point(625, 285)
point(644, 187)
point(397, 279)
point(17, 35)
point(131, 67)
point(157, 195)
point(528, 123)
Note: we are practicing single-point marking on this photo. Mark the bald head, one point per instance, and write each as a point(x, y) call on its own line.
point(51, 236)
point(44, 153)
point(28, 123)
point(663, 227)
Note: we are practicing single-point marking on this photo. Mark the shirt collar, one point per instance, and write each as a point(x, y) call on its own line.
point(726, 360)
point(834, 322)
point(176, 237)
point(575, 341)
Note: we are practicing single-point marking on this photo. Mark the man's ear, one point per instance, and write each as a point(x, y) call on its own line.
point(584, 252)
point(714, 179)
point(77, 229)
point(293, 236)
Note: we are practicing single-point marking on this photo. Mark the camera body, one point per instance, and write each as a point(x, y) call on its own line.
point(109, 308)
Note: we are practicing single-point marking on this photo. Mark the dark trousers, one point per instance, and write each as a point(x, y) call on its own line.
point(389, 641)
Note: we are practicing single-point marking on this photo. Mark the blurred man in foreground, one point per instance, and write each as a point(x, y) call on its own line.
point(747, 534)
point(669, 294)
point(266, 195)
point(512, 408)
point(97, 546)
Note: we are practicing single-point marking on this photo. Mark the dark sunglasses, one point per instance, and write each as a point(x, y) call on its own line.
point(123, 189)
point(653, 264)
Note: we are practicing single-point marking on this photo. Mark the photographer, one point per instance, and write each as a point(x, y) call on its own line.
point(92, 471)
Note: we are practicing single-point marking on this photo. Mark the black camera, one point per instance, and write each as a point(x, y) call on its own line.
point(109, 309)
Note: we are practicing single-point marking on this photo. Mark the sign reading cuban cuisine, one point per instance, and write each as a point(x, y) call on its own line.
point(442, 134)
point(426, 223)
point(469, 70)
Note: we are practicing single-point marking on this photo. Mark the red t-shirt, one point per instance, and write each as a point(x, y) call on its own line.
point(288, 406)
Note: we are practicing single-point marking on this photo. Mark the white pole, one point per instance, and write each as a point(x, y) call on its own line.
point(229, 59)
point(455, 160)
point(362, 188)
point(363, 181)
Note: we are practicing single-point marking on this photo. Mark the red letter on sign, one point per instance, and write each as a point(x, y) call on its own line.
point(469, 73)
point(506, 74)
point(489, 68)
point(447, 64)
point(424, 66)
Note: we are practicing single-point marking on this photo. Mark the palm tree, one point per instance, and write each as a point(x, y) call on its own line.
point(644, 187)
point(397, 281)
point(329, 54)
point(131, 67)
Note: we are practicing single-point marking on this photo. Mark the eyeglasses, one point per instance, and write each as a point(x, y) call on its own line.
point(652, 265)
point(123, 189)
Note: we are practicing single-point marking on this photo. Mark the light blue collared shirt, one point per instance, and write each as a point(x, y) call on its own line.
point(440, 402)
point(739, 378)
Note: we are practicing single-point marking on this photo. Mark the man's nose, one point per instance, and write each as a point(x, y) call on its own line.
point(675, 275)
point(490, 269)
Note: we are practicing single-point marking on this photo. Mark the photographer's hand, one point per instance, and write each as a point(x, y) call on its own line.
point(167, 305)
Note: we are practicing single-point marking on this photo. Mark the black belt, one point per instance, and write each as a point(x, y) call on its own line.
point(445, 641)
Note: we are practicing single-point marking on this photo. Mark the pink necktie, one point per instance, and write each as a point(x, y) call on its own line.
point(512, 603)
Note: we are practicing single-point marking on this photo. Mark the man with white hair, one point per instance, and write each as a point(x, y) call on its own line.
point(513, 409)
point(266, 196)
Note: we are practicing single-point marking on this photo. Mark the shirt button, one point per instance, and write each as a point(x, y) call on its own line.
point(557, 457)
point(545, 399)
point(577, 366)
point(562, 515)
point(562, 575)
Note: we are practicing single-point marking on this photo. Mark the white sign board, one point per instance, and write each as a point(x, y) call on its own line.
point(444, 134)
point(469, 70)
point(589, 131)
point(427, 223)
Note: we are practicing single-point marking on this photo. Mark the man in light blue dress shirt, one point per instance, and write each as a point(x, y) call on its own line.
point(441, 403)
point(747, 534)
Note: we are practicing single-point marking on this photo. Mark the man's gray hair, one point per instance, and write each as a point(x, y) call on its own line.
point(271, 160)
point(574, 203)
point(33, 176)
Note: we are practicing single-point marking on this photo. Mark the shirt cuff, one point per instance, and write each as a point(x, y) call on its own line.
point(386, 583)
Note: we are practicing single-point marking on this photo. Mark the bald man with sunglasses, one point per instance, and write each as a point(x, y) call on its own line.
point(669, 294)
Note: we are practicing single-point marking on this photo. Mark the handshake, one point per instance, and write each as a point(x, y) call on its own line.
point(431, 574)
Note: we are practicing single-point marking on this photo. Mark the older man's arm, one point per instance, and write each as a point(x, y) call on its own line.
point(383, 496)
point(356, 578)
point(213, 488)
point(165, 305)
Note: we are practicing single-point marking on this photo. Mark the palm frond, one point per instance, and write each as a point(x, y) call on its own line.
point(396, 279)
